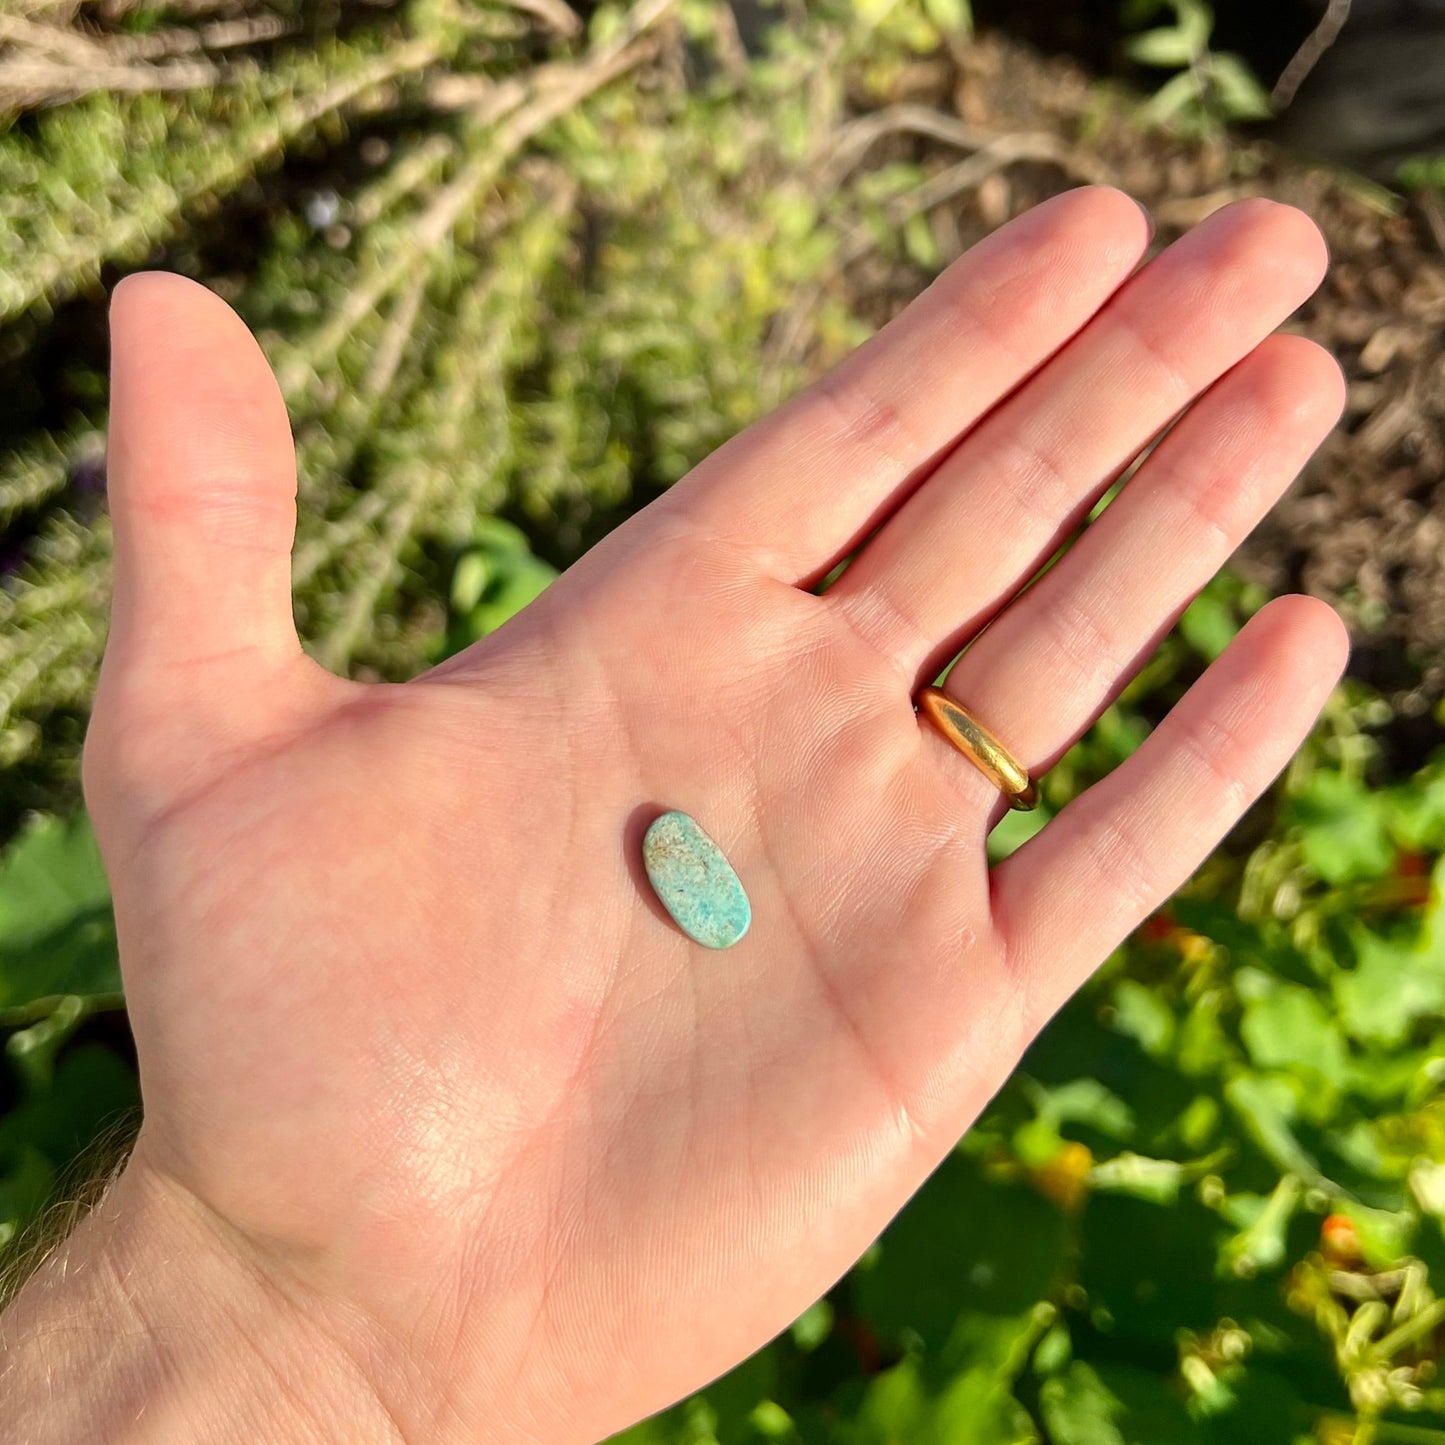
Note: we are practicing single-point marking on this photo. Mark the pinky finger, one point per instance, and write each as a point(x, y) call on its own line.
point(1071, 895)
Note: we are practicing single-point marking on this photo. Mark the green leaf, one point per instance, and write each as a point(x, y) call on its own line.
point(1417, 811)
point(1196, 20)
point(1142, 1015)
point(1267, 1108)
point(952, 17)
point(1209, 624)
point(1015, 829)
point(1169, 49)
point(57, 934)
point(1289, 1028)
point(963, 1246)
point(976, 1406)
point(1388, 990)
point(493, 580)
point(1240, 95)
point(1116, 1404)
point(919, 244)
point(1175, 99)
point(1342, 829)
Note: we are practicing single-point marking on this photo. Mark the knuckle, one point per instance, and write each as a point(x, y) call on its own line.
point(1038, 483)
point(863, 422)
point(1119, 854)
point(1138, 337)
point(1081, 645)
point(1206, 746)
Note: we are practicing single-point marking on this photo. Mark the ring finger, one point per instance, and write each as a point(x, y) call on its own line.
point(1052, 661)
point(1025, 477)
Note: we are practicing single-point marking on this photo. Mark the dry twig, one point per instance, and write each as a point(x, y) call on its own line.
point(1308, 55)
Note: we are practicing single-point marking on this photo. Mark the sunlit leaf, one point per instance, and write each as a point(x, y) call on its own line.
point(57, 935)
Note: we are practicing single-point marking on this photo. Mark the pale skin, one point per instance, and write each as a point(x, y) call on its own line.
point(450, 1134)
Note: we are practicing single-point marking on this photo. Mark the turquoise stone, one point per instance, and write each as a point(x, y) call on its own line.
point(695, 882)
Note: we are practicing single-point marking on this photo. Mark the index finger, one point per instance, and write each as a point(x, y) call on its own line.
point(802, 488)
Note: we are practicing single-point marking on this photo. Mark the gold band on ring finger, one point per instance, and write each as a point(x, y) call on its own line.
point(980, 747)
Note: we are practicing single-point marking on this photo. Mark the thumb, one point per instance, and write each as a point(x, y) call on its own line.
point(201, 475)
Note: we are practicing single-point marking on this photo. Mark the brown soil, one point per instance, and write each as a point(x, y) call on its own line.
point(1364, 527)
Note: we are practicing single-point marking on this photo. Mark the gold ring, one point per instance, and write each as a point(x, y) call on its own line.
point(980, 747)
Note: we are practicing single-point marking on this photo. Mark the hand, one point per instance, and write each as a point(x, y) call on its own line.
point(416, 1041)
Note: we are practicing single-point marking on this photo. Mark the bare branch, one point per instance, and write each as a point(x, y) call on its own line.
point(1308, 55)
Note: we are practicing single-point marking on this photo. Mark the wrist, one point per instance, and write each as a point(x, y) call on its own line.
point(150, 1323)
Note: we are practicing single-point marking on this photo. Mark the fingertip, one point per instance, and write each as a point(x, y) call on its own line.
point(1307, 631)
point(1281, 232)
point(142, 292)
point(168, 313)
point(1302, 382)
point(201, 479)
point(1106, 214)
point(191, 389)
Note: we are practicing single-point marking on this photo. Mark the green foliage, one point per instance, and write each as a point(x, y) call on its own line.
point(495, 577)
point(499, 264)
point(56, 932)
point(58, 967)
point(1210, 89)
point(1423, 173)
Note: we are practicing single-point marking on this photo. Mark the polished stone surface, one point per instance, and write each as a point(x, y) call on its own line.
point(695, 882)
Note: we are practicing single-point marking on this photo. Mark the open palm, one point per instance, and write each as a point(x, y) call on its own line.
point(413, 1030)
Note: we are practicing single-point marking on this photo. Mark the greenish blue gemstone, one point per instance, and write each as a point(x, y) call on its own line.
point(695, 882)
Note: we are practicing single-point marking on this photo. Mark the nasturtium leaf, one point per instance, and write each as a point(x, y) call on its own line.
point(1116, 1404)
point(1385, 1235)
point(976, 1406)
point(57, 935)
point(1290, 1028)
point(1144, 1016)
point(964, 1244)
point(1079, 1410)
point(894, 1406)
point(1416, 816)
point(1389, 989)
point(1341, 828)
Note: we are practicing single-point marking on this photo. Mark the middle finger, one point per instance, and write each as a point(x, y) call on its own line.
point(998, 507)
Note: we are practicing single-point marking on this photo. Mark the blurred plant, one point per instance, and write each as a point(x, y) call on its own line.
point(499, 260)
point(1212, 89)
point(1423, 173)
